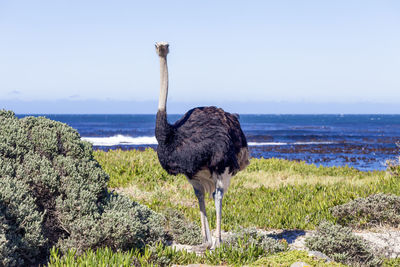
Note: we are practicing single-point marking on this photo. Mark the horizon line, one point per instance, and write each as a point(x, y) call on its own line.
point(178, 114)
point(179, 107)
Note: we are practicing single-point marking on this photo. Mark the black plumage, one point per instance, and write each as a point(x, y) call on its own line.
point(205, 137)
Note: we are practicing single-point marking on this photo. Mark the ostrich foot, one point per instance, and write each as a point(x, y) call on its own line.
point(216, 243)
point(202, 247)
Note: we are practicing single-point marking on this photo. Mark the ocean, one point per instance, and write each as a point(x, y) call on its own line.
point(364, 142)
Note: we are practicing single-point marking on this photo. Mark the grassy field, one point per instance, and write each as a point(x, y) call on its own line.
point(269, 194)
point(105, 257)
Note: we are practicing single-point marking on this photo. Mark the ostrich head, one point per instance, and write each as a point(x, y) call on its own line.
point(162, 49)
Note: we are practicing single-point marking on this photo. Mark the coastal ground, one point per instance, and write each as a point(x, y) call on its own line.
point(272, 195)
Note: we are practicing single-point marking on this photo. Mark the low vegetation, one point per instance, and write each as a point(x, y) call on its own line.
point(62, 204)
point(285, 259)
point(342, 245)
point(181, 230)
point(270, 193)
point(374, 210)
point(160, 255)
point(250, 237)
point(165, 256)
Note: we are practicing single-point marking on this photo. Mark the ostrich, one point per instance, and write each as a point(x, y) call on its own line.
point(207, 145)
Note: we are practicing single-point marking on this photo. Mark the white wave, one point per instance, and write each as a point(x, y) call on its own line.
point(121, 140)
point(314, 143)
point(151, 140)
point(285, 144)
point(267, 144)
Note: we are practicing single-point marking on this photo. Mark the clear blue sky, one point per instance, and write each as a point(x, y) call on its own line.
point(220, 51)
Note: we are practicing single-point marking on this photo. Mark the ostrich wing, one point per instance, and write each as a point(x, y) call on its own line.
point(208, 137)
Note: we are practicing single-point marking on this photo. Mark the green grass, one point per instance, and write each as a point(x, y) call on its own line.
point(285, 259)
point(167, 256)
point(391, 262)
point(158, 256)
point(269, 194)
point(163, 256)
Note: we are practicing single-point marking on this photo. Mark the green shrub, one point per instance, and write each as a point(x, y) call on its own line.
point(54, 193)
point(21, 235)
point(375, 210)
point(340, 244)
point(181, 230)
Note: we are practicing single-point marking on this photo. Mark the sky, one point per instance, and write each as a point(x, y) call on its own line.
point(79, 56)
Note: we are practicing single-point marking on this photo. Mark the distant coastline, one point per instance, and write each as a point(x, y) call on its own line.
point(67, 106)
point(364, 142)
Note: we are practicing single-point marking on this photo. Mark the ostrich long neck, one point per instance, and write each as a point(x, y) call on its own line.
point(163, 128)
point(162, 101)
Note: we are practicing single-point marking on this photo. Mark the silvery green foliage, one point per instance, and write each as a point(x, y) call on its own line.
point(181, 230)
point(340, 244)
point(20, 224)
point(375, 210)
point(53, 192)
point(247, 237)
point(123, 225)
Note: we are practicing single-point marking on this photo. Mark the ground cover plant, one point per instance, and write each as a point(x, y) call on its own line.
point(165, 256)
point(342, 245)
point(270, 193)
point(374, 210)
point(181, 230)
point(54, 193)
point(251, 237)
point(285, 259)
point(160, 255)
point(244, 247)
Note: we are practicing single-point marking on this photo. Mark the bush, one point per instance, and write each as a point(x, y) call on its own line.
point(54, 193)
point(181, 230)
point(340, 244)
point(375, 210)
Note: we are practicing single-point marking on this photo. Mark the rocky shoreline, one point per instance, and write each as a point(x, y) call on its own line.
point(365, 157)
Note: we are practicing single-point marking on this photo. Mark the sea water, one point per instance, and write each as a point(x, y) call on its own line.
point(365, 142)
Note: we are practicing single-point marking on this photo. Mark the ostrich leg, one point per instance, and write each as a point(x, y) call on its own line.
point(218, 195)
point(205, 230)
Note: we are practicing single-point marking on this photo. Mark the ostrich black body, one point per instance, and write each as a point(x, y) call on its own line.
point(204, 137)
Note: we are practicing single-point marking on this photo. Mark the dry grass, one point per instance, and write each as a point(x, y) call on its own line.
point(135, 193)
point(176, 194)
point(275, 179)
